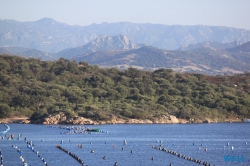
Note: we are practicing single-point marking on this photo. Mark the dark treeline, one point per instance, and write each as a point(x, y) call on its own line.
point(36, 88)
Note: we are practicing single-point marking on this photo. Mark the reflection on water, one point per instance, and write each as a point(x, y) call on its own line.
point(219, 144)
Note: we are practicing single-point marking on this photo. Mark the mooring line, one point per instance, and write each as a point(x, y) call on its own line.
point(1, 157)
point(30, 145)
point(182, 156)
point(21, 155)
point(71, 154)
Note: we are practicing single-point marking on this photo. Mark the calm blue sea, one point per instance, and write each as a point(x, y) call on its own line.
point(212, 143)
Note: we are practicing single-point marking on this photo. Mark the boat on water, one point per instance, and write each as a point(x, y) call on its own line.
point(93, 130)
point(246, 120)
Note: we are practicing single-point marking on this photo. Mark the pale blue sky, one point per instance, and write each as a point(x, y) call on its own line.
point(231, 13)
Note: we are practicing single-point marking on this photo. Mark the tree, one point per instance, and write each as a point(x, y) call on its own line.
point(4, 110)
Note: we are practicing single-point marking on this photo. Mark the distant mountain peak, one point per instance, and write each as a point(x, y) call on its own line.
point(237, 43)
point(241, 48)
point(46, 21)
point(119, 42)
point(101, 43)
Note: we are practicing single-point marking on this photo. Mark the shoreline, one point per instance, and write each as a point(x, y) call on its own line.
point(26, 120)
point(14, 120)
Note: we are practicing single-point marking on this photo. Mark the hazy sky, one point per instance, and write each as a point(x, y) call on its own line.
point(231, 13)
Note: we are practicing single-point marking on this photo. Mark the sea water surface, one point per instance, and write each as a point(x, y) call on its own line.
point(219, 144)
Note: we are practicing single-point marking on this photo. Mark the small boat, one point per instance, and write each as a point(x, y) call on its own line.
point(93, 130)
point(246, 120)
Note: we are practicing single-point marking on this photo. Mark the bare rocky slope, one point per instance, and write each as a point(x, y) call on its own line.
point(101, 43)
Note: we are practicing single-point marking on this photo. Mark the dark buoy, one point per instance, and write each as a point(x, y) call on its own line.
point(104, 158)
point(152, 158)
point(170, 164)
point(116, 164)
point(92, 151)
point(131, 151)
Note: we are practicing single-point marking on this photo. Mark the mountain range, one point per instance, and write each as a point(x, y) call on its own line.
point(209, 60)
point(119, 51)
point(49, 35)
point(210, 44)
point(209, 57)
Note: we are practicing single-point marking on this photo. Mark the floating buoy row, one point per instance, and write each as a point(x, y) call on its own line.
point(1, 158)
point(182, 156)
point(30, 145)
point(232, 147)
point(71, 154)
point(8, 137)
point(21, 155)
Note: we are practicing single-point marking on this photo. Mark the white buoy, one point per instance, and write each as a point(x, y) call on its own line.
point(125, 142)
point(232, 148)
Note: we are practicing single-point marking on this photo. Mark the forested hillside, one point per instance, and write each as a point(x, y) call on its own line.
point(36, 88)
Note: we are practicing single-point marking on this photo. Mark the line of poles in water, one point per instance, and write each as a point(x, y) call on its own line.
point(21, 155)
point(181, 156)
point(71, 154)
point(30, 145)
point(1, 157)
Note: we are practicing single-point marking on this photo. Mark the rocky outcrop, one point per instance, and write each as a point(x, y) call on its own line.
point(80, 120)
point(61, 118)
point(55, 119)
